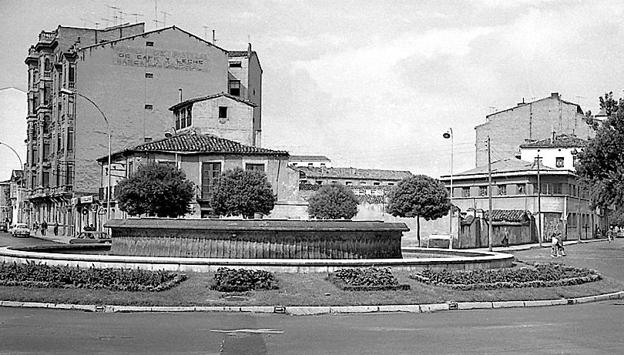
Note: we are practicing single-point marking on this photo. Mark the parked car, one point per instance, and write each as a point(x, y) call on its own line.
point(20, 230)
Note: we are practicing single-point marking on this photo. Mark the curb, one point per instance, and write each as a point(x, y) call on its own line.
point(318, 310)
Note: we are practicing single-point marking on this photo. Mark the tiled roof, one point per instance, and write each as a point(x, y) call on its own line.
point(210, 97)
point(505, 166)
point(353, 173)
point(198, 144)
point(552, 96)
point(507, 215)
point(309, 158)
point(560, 141)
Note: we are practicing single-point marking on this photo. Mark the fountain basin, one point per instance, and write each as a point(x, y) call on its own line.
point(256, 239)
point(64, 255)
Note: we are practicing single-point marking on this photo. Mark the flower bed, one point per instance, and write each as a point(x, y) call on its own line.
point(540, 275)
point(32, 274)
point(366, 279)
point(240, 280)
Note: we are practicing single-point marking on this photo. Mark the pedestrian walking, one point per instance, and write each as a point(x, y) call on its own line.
point(610, 233)
point(55, 229)
point(44, 227)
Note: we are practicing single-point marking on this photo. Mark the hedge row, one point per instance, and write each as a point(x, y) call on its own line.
point(366, 279)
point(541, 275)
point(32, 274)
point(241, 280)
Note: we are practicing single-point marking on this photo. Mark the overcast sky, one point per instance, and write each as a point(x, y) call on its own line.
point(374, 84)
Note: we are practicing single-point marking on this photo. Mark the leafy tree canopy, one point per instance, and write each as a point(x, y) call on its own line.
point(601, 164)
point(419, 196)
point(156, 189)
point(333, 201)
point(241, 192)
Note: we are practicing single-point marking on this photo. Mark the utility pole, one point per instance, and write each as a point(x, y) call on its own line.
point(490, 227)
point(539, 202)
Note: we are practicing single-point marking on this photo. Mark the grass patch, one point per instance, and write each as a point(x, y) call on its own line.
point(297, 289)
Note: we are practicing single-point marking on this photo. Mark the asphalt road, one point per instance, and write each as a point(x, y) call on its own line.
point(579, 329)
point(7, 240)
point(596, 328)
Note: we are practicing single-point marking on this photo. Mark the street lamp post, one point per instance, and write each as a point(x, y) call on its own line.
point(108, 187)
point(449, 135)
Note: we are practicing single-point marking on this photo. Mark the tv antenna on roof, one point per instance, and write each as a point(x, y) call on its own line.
point(165, 17)
point(136, 16)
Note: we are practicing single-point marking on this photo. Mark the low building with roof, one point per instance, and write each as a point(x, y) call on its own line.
point(369, 185)
point(203, 158)
point(515, 187)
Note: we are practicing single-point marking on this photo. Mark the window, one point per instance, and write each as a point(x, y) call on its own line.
point(502, 190)
point(149, 44)
point(465, 192)
point(319, 182)
point(348, 183)
point(557, 188)
point(183, 118)
point(189, 117)
point(130, 168)
point(70, 140)
point(236, 64)
point(69, 175)
point(210, 174)
point(72, 74)
point(58, 175)
point(222, 111)
point(559, 162)
point(234, 87)
point(376, 183)
point(46, 151)
point(390, 184)
point(310, 164)
point(33, 181)
point(59, 142)
point(254, 167)
point(334, 182)
point(362, 182)
point(177, 122)
point(521, 189)
point(483, 191)
point(149, 106)
point(46, 179)
point(322, 164)
point(47, 65)
point(46, 124)
point(149, 75)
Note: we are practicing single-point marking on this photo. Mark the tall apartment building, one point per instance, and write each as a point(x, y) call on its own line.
point(531, 121)
point(84, 82)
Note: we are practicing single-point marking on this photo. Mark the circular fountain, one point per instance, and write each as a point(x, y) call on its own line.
point(274, 245)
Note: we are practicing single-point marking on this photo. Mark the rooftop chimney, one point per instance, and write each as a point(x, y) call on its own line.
point(249, 50)
point(554, 95)
point(180, 92)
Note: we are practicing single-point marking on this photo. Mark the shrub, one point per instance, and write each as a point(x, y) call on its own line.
point(333, 201)
point(542, 275)
point(156, 189)
point(240, 280)
point(32, 274)
point(242, 192)
point(366, 279)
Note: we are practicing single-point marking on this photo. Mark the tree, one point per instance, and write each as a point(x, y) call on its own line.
point(156, 189)
point(601, 164)
point(419, 196)
point(333, 201)
point(242, 192)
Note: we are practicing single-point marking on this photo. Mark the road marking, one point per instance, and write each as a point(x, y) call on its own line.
point(252, 331)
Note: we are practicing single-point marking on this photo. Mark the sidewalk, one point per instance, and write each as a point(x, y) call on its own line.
point(536, 245)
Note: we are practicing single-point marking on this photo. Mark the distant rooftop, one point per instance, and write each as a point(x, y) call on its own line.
point(302, 158)
point(554, 95)
point(353, 173)
point(210, 97)
point(507, 165)
point(560, 141)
